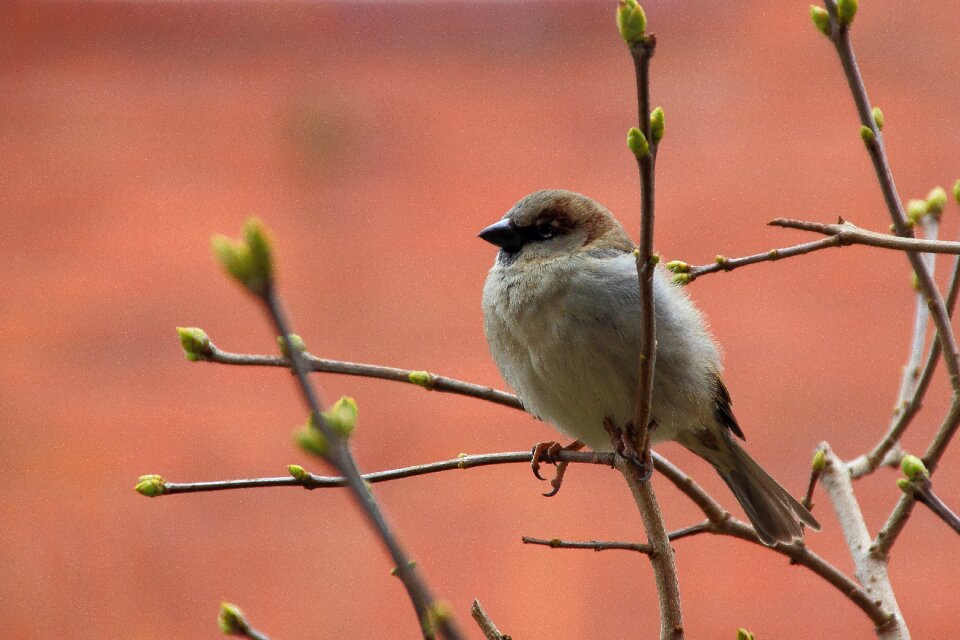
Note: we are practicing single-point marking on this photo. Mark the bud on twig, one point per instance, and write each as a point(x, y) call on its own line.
point(150, 485)
point(637, 142)
point(867, 135)
point(821, 19)
point(341, 417)
point(956, 191)
point(656, 125)
point(421, 379)
point(295, 340)
point(631, 21)
point(195, 343)
point(819, 462)
point(248, 260)
point(916, 209)
point(677, 266)
point(878, 118)
point(846, 10)
point(298, 472)
point(232, 621)
point(913, 467)
point(936, 201)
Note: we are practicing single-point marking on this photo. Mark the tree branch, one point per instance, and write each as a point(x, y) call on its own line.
point(848, 233)
point(729, 264)
point(901, 513)
point(907, 407)
point(342, 459)
point(423, 379)
point(870, 132)
point(641, 52)
point(490, 631)
point(721, 521)
point(871, 571)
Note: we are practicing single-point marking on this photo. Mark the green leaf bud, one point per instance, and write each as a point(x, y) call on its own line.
point(656, 125)
point(309, 438)
point(342, 416)
point(232, 621)
point(916, 209)
point(249, 260)
point(682, 279)
point(298, 472)
point(821, 19)
point(936, 201)
point(905, 485)
point(956, 191)
point(295, 340)
point(913, 467)
point(678, 266)
point(150, 485)
point(637, 142)
point(846, 10)
point(878, 118)
point(867, 135)
point(195, 342)
point(743, 634)
point(631, 21)
point(819, 462)
point(421, 379)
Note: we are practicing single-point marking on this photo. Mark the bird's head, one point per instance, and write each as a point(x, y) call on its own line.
point(555, 224)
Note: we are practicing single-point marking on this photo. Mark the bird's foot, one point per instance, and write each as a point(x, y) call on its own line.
point(547, 452)
point(625, 444)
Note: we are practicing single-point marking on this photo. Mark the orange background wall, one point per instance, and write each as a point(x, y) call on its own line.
point(376, 140)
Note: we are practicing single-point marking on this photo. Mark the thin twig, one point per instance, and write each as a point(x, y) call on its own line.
point(661, 556)
point(342, 459)
point(424, 379)
point(871, 571)
point(312, 481)
point(641, 53)
point(901, 513)
point(848, 233)
point(729, 264)
point(490, 631)
point(923, 492)
point(840, 36)
point(721, 521)
point(595, 545)
point(906, 410)
point(600, 545)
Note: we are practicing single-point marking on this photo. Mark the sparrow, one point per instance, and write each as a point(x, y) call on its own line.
point(561, 312)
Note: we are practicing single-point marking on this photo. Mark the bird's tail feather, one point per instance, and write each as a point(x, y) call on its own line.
point(775, 514)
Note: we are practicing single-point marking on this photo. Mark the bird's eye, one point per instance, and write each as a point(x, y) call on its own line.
point(546, 230)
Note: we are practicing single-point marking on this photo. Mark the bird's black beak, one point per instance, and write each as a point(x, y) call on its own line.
point(503, 234)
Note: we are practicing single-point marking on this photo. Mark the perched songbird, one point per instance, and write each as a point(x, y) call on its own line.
point(562, 315)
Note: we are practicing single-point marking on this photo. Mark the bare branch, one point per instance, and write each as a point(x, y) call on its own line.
point(422, 379)
point(595, 545)
point(908, 407)
point(901, 513)
point(729, 264)
point(312, 481)
point(722, 522)
point(342, 459)
point(600, 545)
point(923, 492)
point(641, 52)
point(490, 631)
point(870, 133)
point(848, 233)
point(871, 571)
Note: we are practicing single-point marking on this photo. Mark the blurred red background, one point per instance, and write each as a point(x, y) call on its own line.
point(375, 141)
